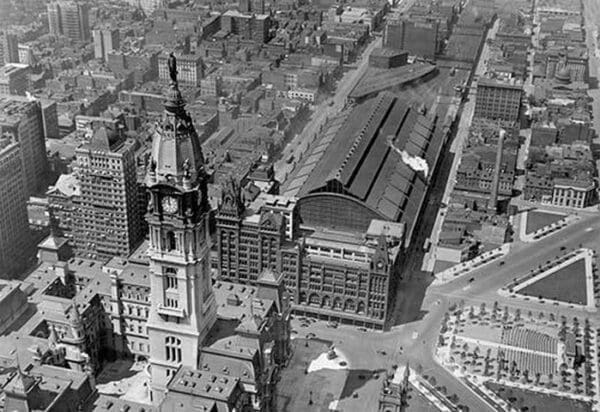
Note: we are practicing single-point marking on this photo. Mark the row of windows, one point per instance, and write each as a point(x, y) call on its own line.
point(173, 349)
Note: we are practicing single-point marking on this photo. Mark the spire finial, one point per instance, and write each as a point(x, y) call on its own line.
point(76, 314)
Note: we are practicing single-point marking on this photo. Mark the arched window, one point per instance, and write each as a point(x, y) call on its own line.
point(171, 242)
point(173, 349)
point(361, 308)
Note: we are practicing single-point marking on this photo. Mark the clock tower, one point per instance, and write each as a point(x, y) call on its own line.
point(183, 308)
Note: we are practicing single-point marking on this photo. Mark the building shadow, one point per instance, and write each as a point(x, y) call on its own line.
point(116, 371)
point(27, 314)
point(356, 379)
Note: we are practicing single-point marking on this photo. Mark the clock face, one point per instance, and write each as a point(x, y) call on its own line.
point(169, 204)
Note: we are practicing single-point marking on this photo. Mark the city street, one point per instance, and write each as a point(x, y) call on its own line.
point(456, 148)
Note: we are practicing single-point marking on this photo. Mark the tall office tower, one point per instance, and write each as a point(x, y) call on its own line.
point(418, 37)
point(26, 55)
point(258, 6)
point(498, 100)
point(69, 19)
point(14, 79)
point(246, 6)
point(105, 41)
point(14, 227)
point(54, 23)
point(9, 48)
point(98, 44)
point(183, 305)
point(149, 6)
point(74, 19)
point(252, 6)
point(23, 119)
point(50, 119)
point(107, 222)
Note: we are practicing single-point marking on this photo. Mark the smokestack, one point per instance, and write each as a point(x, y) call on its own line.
point(493, 204)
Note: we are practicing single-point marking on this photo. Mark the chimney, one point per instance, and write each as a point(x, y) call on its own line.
point(493, 204)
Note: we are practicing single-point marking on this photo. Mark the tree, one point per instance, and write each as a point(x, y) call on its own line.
point(525, 376)
point(482, 309)
point(505, 315)
point(518, 315)
point(500, 360)
point(552, 318)
point(495, 307)
point(563, 369)
point(541, 316)
point(550, 381)
point(563, 383)
point(562, 332)
point(538, 376)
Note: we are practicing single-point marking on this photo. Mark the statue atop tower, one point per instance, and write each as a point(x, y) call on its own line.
point(172, 64)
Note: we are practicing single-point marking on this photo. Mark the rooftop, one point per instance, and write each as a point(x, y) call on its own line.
point(376, 80)
point(203, 384)
point(67, 184)
point(236, 301)
point(13, 108)
point(354, 151)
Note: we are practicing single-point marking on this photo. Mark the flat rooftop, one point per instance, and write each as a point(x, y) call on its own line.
point(236, 301)
point(13, 108)
point(205, 384)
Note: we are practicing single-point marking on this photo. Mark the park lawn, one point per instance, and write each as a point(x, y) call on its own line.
point(567, 284)
point(538, 220)
point(524, 400)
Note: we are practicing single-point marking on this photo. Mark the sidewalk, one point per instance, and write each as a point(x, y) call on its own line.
point(546, 230)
